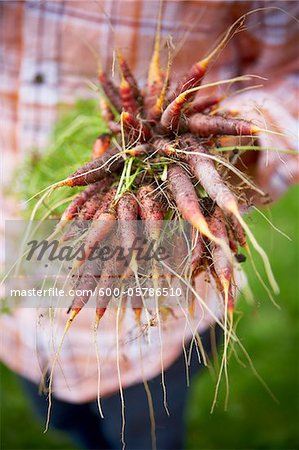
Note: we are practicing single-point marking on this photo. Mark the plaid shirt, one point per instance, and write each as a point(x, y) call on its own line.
point(47, 52)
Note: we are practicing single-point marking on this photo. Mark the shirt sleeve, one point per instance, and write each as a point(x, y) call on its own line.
point(268, 48)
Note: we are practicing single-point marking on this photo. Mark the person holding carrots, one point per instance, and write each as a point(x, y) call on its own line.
point(43, 47)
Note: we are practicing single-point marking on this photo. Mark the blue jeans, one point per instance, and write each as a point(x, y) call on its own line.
point(83, 424)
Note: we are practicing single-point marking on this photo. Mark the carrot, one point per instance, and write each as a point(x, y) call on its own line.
point(87, 213)
point(75, 206)
point(152, 93)
point(171, 116)
point(94, 170)
point(193, 77)
point(101, 145)
point(222, 270)
point(151, 212)
point(135, 129)
point(109, 276)
point(186, 200)
point(219, 192)
point(206, 173)
point(150, 208)
point(127, 214)
point(233, 245)
point(204, 126)
point(201, 103)
point(128, 89)
point(110, 90)
point(108, 116)
point(101, 227)
point(164, 146)
point(83, 207)
point(107, 202)
point(129, 102)
point(154, 112)
point(136, 304)
point(155, 78)
point(237, 230)
point(128, 76)
point(139, 150)
point(196, 73)
point(86, 285)
point(222, 265)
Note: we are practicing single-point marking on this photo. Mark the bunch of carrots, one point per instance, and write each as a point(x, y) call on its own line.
point(162, 159)
point(163, 143)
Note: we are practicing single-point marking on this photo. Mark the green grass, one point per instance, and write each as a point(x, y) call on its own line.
point(70, 147)
point(19, 427)
point(253, 419)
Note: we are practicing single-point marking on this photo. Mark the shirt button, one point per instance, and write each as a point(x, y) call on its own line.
point(39, 78)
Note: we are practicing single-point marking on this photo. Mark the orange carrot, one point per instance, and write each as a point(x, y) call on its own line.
point(101, 145)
